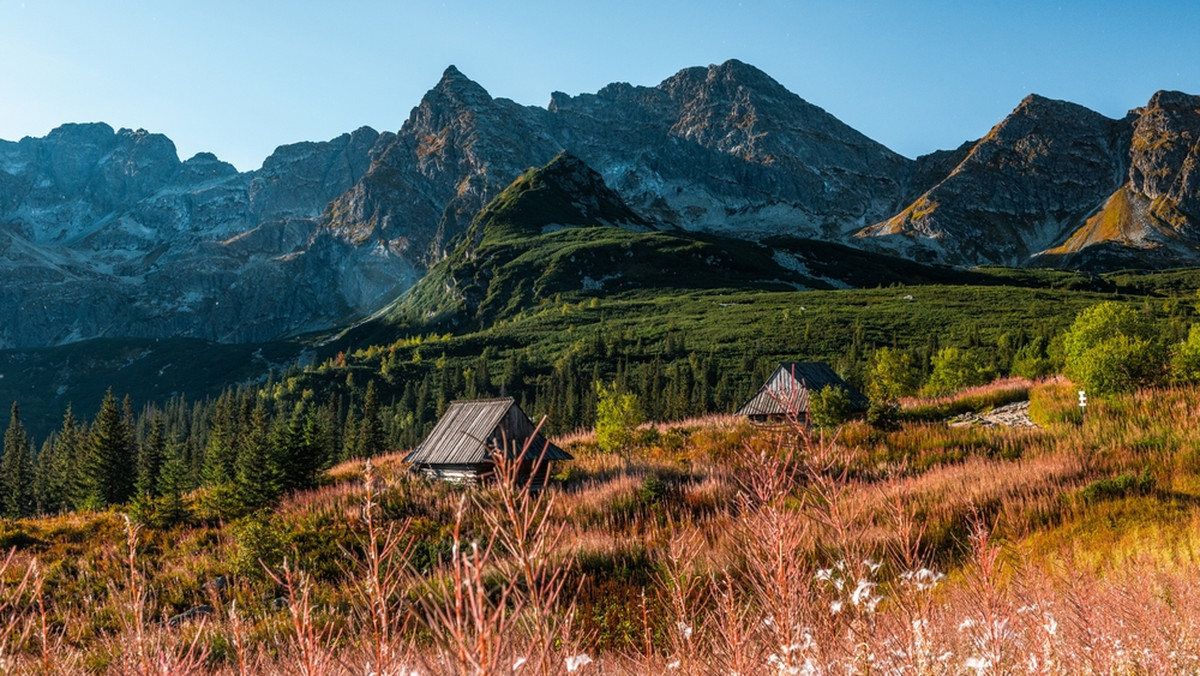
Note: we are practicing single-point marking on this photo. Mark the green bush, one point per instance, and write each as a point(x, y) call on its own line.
point(1185, 361)
point(652, 489)
point(1118, 487)
point(954, 369)
point(1110, 348)
point(884, 414)
point(1033, 360)
point(892, 374)
point(829, 406)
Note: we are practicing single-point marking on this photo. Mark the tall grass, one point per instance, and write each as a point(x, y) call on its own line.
point(717, 549)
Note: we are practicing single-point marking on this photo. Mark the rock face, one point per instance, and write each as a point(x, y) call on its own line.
point(1154, 217)
point(1017, 191)
point(728, 149)
point(108, 233)
point(1059, 185)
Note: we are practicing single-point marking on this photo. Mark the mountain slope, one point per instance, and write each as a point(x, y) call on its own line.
point(1153, 219)
point(1019, 190)
point(560, 233)
point(107, 233)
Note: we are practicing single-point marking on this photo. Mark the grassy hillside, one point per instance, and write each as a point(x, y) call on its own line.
point(926, 548)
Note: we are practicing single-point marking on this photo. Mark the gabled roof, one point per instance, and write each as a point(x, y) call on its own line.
point(787, 390)
point(469, 431)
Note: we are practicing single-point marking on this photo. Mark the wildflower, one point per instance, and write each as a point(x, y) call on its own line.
point(573, 663)
point(979, 664)
point(863, 595)
point(923, 579)
point(1051, 626)
point(828, 575)
point(872, 565)
point(835, 607)
point(674, 665)
point(685, 630)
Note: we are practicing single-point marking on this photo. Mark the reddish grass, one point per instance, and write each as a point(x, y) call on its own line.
point(717, 549)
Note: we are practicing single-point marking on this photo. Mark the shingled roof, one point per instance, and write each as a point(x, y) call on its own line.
point(471, 430)
point(787, 390)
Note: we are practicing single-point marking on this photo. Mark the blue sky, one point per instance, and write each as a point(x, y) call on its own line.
point(240, 78)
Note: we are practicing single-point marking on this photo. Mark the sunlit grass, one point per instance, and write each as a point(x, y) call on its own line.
point(674, 555)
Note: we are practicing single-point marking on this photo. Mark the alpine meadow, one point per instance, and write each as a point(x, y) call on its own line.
point(690, 378)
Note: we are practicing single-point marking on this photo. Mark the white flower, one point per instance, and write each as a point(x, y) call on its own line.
point(863, 595)
point(922, 579)
point(835, 607)
point(979, 664)
point(872, 565)
point(1051, 625)
point(674, 665)
point(573, 663)
point(685, 630)
point(966, 624)
point(517, 665)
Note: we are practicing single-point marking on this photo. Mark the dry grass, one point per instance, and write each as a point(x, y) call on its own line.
point(717, 549)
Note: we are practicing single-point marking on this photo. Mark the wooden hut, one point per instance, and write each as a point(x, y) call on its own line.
point(465, 442)
point(786, 393)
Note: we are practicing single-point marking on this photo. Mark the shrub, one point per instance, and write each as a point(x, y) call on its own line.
point(829, 406)
point(652, 489)
point(1185, 361)
point(1033, 360)
point(617, 418)
point(892, 374)
point(1110, 348)
point(954, 369)
point(884, 414)
point(1117, 487)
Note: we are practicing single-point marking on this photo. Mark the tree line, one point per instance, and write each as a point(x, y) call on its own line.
point(244, 449)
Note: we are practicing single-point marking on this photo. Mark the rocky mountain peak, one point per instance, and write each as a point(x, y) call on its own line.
point(458, 90)
point(1021, 188)
point(1165, 158)
point(1173, 99)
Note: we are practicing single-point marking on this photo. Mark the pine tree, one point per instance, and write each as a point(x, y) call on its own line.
point(66, 478)
point(172, 483)
point(55, 484)
point(220, 452)
point(259, 481)
point(16, 470)
point(371, 439)
point(108, 462)
point(294, 444)
point(150, 459)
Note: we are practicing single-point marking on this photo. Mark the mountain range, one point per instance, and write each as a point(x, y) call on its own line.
point(107, 233)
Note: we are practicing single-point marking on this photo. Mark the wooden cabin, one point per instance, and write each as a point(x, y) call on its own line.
point(466, 440)
point(785, 394)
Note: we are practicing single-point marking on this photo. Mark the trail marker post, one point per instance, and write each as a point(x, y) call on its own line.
point(1082, 405)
